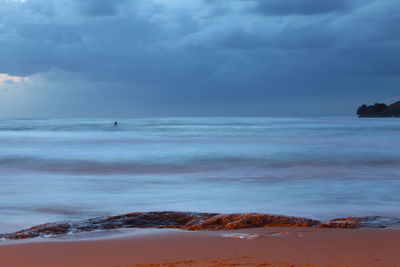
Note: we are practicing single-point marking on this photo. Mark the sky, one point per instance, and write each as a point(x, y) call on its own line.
point(126, 58)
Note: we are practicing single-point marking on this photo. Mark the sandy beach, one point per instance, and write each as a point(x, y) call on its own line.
point(248, 247)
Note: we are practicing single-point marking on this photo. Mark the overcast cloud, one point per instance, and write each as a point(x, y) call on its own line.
point(196, 57)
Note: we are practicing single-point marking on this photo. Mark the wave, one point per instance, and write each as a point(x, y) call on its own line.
point(180, 165)
point(185, 166)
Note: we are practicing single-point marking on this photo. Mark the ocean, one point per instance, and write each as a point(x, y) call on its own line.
point(316, 167)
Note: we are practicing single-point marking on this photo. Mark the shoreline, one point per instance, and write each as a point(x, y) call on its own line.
point(283, 246)
point(205, 239)
point(194, 221)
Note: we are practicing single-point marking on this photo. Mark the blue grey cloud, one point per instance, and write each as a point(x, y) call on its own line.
point(302, 7)
point(51, 34)
point(99, 7)
point(203, 56)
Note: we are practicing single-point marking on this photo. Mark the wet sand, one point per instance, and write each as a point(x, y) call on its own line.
point(249, 247)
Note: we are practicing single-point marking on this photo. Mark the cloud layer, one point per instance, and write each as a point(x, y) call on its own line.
point(200, 57)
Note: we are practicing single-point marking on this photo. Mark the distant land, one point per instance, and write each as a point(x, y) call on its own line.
point(379, 110)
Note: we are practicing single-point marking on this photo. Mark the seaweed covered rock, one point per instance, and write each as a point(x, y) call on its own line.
point(180, 220)
point(196, 222)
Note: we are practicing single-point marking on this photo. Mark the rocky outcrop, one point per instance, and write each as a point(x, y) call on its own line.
point(379, 110)
point(194, 222)
point(250, 220)
point(362, 222)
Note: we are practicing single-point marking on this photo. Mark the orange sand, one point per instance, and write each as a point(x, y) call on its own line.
point(259, 247)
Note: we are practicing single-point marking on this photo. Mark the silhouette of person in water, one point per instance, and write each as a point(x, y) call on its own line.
point(115, 123)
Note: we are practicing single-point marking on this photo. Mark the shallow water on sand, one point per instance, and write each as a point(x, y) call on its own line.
point(318, 167)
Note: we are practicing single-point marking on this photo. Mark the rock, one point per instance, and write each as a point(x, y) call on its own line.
point(349, 222)
point(180, 220)
point(251, 220)
point(195, 222)
point(362, 222)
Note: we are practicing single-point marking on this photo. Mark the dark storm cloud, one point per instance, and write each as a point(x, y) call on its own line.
point(214, 55)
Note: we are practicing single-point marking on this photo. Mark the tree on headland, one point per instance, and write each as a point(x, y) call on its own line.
point(379, 110)
point(362, 111)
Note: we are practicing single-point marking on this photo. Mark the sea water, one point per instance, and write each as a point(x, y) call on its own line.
point(317, 167)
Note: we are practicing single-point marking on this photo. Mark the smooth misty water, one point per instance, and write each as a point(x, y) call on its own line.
point(320, 167)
